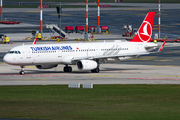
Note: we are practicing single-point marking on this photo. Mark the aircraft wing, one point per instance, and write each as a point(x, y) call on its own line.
point(108, 56)
point(151, 46)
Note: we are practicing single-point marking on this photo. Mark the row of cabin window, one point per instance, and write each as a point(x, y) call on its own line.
point(63, 51)
point(43, 51)
point(18, 52)
point(78, 50)
point(94, 50)
point(114, 49)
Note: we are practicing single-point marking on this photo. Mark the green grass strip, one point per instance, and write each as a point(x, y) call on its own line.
point(103, 102)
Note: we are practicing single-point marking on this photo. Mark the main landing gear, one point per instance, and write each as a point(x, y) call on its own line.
point(67, 68)
point(22, 70)
point(95, 70)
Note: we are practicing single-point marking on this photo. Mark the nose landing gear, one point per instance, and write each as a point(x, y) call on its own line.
point(22, 70)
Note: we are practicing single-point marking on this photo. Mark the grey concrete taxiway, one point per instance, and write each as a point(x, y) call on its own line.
point(109, 74)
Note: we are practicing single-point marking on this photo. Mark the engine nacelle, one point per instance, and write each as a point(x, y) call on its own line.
point(86, 64)
point(45, 66)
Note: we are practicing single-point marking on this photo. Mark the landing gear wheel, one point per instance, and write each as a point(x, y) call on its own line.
point(67, 69)
point(21, 72)
point(95, 70)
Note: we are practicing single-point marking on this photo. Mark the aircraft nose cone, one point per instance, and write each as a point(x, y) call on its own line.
point(7, 59)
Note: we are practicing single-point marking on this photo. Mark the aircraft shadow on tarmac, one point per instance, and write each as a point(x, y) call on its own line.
point(75, 71)
point(117, 69)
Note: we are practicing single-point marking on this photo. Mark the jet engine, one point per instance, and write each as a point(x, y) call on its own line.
point(45, 66)
point(86, 64)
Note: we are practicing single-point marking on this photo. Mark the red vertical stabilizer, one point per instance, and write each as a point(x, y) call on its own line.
point(145, 31)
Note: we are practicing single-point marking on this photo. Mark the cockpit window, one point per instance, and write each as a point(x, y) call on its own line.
point(14, 52)
point(11, 52)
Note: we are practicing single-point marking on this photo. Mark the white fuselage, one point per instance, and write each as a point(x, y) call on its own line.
point(65, 53)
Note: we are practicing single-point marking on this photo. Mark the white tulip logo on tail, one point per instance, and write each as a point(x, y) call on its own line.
point(145, 31)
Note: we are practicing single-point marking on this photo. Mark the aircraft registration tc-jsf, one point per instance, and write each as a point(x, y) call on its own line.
point(86, 56)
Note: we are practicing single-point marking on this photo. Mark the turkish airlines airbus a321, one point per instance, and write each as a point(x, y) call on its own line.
point(86, 56)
